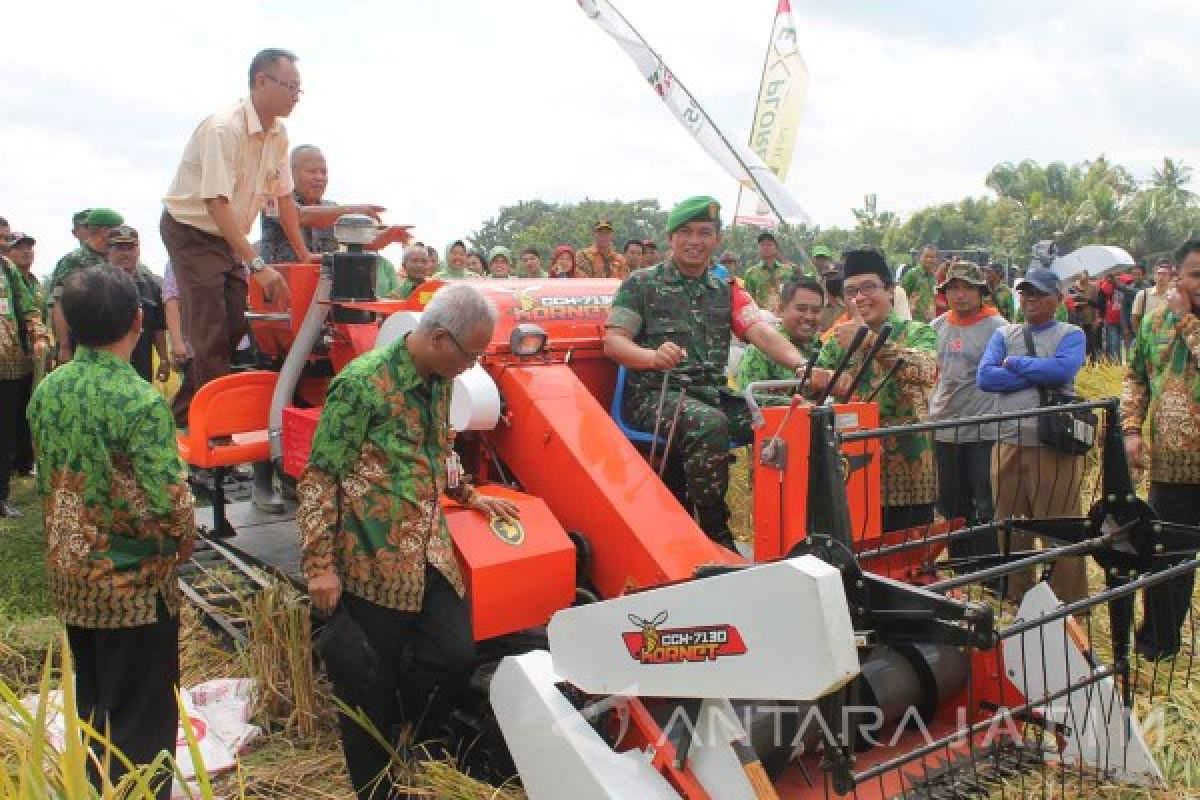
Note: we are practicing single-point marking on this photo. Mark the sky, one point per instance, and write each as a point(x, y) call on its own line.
point(446, 111)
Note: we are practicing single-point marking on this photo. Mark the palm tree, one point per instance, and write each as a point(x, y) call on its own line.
point(1170, 182)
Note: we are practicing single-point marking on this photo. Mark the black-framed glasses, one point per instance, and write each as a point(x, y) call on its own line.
point(467, 354)
point(867, 288)
point(291, 86)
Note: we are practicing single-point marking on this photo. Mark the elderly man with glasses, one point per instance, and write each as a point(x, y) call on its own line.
point(378, 548)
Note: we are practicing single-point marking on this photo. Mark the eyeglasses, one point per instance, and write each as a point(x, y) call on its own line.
point(291, 86)
point(866, 288)
point(467, 354)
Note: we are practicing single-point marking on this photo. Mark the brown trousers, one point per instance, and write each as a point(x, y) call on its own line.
point(212, 303)
point(1039, 482)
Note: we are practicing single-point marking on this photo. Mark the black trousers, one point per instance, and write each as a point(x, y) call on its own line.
point(964, 473)
point(1165, 605)
point(125, 679)
point(16, 450)
point(427, 657)
point(898, 518)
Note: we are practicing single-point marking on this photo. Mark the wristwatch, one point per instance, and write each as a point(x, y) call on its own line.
point(256, 265)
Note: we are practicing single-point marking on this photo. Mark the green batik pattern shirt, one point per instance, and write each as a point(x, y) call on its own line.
point(18, 307)
point(765, 284)
point(370, 505)
point(1001, 298)
point(1162, 385)
point(921, 287)
point(114, 492)
point(908, 471)
point(755, 366)
point(81, 257)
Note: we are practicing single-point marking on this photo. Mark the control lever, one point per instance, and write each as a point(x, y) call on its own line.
point(881, 339)
point(855, 343)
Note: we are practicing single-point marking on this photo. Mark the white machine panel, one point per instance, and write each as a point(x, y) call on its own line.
point(558, 754)
point(774, 631)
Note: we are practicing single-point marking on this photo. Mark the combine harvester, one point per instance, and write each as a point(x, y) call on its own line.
point(624, 655)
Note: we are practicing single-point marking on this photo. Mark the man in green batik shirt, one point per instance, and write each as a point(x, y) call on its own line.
point(799, 315)
point(674, 321)
point(373, 531)
point(909, 480)
point(764, 281)
point(118, 520)
point(920, 283)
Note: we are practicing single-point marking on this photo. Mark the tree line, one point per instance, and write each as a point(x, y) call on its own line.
point(1092, 202)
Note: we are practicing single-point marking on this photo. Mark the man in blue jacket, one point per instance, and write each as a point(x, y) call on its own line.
point(1030, 479)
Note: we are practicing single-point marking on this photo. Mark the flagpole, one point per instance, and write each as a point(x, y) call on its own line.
point(707, 118)
point(762, 81)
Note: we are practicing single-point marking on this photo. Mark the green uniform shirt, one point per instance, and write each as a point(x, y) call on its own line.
point(19, 307)
point(449, 274)
point(81, 257)
point(660, 304)
point(921, 287)
point(1162, 386)
point(765, 283)
point(369, 497)
point(385, 278)
point(117, 505)
point(908, 471)
point(755, 366)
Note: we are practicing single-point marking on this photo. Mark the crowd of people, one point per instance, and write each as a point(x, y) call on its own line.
point(376, 549)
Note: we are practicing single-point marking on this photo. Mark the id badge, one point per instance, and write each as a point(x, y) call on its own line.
point(5, 309)
point(453, 471)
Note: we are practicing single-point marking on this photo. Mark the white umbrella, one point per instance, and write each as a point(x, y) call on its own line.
point(1097, 259)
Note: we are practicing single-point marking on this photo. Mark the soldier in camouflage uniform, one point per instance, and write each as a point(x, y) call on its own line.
point(372, 524)
point(909, 479)
point(799, 315)
point(676, 320)
point(764, 281)
point(920, 283)
point(118, 519)
point(92, 253)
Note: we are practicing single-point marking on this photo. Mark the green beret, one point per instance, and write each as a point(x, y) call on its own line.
point(701, 207)
point(104, 218)
point(821, 251)
point(80, 217)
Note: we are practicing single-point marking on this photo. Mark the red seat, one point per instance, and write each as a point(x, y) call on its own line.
point(227, 426)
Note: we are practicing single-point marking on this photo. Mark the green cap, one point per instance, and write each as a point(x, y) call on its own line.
point(822, 251)
point(104, 218)
point(500, 250)
point(80, 217)
point(700, 207)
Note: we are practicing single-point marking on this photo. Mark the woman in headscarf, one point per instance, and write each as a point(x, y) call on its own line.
point(562, 263)
point(500, 262)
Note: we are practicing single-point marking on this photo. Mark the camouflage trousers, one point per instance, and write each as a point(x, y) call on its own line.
point(710, 418)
